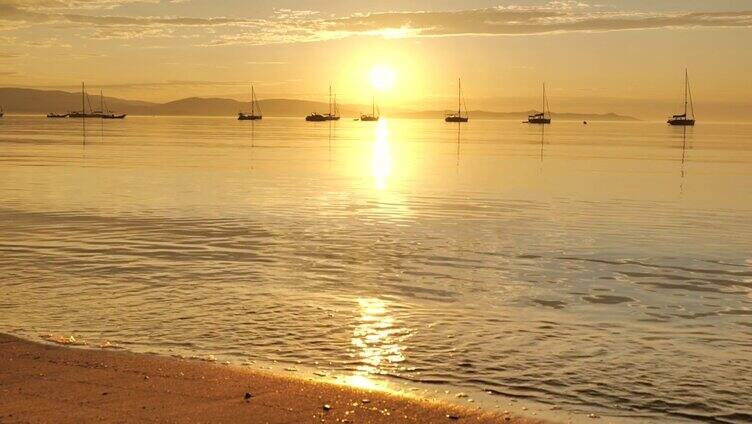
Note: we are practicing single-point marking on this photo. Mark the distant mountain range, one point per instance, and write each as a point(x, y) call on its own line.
point(32, 101)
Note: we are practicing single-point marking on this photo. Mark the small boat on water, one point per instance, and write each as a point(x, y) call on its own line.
point(106, 112)
point(334, 116)
point(83, 113)
point(373, 116)
point(113, 116)
point(254, 107)
point(2, 112)
point(319, 117)
point(457, 117)
point(316, 117)
point(542, 117)
point(685, 119)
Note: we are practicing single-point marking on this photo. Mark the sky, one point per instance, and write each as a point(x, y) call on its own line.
point(623, 56)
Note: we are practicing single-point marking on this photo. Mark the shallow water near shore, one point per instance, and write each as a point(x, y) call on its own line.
point(603, 268)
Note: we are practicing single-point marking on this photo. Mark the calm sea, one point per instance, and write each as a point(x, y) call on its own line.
point(604, 268)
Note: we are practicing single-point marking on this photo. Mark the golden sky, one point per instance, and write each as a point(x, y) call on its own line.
point(603, 55)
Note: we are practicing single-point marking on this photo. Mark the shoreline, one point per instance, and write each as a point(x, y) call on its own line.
point(41, 382)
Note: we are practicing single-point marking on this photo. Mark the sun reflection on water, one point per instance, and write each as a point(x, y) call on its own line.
point(378, 343)
point(382, 156)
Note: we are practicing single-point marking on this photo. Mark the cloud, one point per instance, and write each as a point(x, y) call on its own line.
point(73, 4)
point(11, 12)
point(501, 21)
point(291, 26)
point(557, 17)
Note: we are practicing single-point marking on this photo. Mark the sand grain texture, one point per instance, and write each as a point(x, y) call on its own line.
point(42, 383)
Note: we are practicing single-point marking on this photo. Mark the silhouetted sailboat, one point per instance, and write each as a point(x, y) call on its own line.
point(106, 112)
point(373, 116)
point(684, 119)
point(541, 118)
point(318, 117)
point(254, 107)
point(83, 113)
point(457, 117)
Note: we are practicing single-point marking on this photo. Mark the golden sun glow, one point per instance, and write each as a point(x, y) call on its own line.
point(382, 78)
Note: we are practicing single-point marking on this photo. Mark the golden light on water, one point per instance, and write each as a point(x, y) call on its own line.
point(377, 342)
point(381, 163)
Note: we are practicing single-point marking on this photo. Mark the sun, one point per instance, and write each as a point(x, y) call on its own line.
point(382, 78)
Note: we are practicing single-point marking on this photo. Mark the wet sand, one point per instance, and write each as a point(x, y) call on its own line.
point(48, 383)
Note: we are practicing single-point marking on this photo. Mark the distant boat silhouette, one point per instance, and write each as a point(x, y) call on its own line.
point(333, 116)
point(684, 119)
point(254, 106)
point(105, 110)
point(457, 117)
point(541, 118)
point(373, 116)
point(57, 115)
point(83, 113)
point(318, 117)
point(2, 112)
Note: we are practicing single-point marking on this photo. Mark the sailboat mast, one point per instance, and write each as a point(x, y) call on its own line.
point(459, 97)
point(686, 88)
point(253, 95)
point(83, 101)
point(330, 99)
point(544, 99)
point(101, 101)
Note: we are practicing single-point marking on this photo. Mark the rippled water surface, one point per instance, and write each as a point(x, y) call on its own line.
point(605, 267)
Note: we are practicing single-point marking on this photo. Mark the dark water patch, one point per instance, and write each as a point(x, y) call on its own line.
point(607, 300)
point(556, 304)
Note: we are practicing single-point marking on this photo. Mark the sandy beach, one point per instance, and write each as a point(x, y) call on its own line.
point(47, 383)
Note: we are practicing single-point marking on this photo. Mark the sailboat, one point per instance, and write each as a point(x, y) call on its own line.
point(83, 113)
point(684, 119)
point(541, 118)
point(373, 116)
point(106, 112)
point(254, 107)
point(318, 117)
point(457, 117)
point(333, 116)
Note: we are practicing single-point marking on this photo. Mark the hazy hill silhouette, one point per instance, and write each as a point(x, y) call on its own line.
point(32, 101)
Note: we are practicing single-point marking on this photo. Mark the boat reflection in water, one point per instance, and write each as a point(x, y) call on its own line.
point(378, 343)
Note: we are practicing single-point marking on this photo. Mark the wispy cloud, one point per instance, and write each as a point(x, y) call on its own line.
point(73, 4)
point(291, 26)
point(557, 17)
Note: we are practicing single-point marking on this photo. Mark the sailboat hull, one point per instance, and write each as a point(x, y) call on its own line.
point(84, 115)
point(456, 119)
point(366, 118)
point(113, 116)
point(681, 122)
point(539, 120)
point(316, 118)
point(247, 117)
